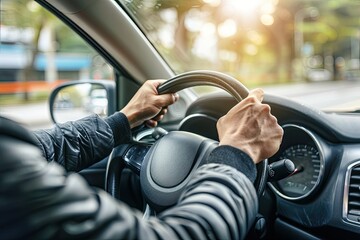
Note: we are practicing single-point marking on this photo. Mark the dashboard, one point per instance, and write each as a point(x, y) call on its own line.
point(321, 198)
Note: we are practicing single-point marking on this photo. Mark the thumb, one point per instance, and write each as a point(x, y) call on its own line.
point(167, 99)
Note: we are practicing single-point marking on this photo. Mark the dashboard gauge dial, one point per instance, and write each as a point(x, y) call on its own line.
point(307, 170)
point(302, 148)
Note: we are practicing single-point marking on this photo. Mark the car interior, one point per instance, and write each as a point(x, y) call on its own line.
point(316, 195)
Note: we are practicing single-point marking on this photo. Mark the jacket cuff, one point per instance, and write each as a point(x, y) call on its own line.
point(235, 158)
point(120, 127)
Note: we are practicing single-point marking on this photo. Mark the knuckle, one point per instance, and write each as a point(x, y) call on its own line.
point(281, 130)
point(273, 119)
point(172, 98)
point(251, 99)
point(265, 108)
point(165, 100)
point(220, 121)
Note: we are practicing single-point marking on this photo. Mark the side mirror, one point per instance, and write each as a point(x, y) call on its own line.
point(76, 99)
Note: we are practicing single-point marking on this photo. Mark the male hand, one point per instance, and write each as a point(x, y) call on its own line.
point(147, 106)
point(250, 127)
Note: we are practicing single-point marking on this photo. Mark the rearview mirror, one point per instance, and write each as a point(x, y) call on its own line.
point(74, 100)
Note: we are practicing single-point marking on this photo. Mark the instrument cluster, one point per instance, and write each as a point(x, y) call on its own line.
point(302, 147)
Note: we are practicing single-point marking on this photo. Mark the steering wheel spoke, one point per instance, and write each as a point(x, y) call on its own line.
point(126, 155)
point(135, 155)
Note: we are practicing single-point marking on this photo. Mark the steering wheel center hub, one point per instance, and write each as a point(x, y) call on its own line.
point(169, 164)
point(173, 157)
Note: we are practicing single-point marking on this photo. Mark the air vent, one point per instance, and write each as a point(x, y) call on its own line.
point(353, 194)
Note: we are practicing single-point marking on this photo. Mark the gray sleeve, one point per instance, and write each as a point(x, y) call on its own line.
point(219, 203)
point(233, 157)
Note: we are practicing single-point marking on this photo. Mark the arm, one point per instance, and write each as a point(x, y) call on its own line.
point(79, 144)
point(219, 202)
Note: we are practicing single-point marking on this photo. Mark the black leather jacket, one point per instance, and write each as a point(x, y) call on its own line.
point(79, 144)
point(40, 200)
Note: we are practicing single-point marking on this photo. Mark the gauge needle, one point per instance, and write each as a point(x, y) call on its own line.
point(297, 170)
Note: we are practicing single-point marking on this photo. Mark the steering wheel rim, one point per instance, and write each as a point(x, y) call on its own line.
point(205, 78)
point(117, 163)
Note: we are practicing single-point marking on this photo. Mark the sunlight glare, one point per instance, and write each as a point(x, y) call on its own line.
point(227, 29)
point(244, 6)
point(251, 49)
point(166, 36)
point(193, 21)
point(267, 19)
point(255, 37)
point(213, 3)
point(228, 55)
point(268, 8)
point(208, 29)
point(33, 6)
point(205, 45)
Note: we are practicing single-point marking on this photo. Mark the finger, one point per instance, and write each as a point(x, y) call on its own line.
point(265, 108)
point(165, 100)
point(151, 123)
point(156, 82)
point(163, 111)
point(158, 117)
point(258, 93)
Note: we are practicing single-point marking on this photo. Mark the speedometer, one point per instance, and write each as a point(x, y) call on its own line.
point(307, 170)
point(301, 147)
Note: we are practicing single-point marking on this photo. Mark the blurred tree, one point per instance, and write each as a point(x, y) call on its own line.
point(29, 14)
point(181, 33)
point(271, 59)
point(22, 14)
point(331, 34)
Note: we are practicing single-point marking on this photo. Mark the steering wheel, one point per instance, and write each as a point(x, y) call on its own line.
point(166, 166)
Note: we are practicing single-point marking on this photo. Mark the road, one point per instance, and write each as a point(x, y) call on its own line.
point(324, 95)
point(341, 95)
point(33, 116)
point(37, 115)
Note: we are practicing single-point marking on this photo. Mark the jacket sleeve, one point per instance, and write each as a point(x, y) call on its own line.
point(47, 202)
point(79, 144)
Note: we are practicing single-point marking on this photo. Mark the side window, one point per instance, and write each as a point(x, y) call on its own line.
point(37, 53)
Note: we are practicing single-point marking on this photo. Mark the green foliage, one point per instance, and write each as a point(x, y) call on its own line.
point(29, 14)
point(267, 60)
point(70, 42)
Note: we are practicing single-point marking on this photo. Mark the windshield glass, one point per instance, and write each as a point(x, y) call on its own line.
point(306, 50)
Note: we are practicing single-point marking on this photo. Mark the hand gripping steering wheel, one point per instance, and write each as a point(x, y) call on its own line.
point(166, 166)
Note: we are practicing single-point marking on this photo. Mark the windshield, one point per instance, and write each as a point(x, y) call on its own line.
point(306, 50)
